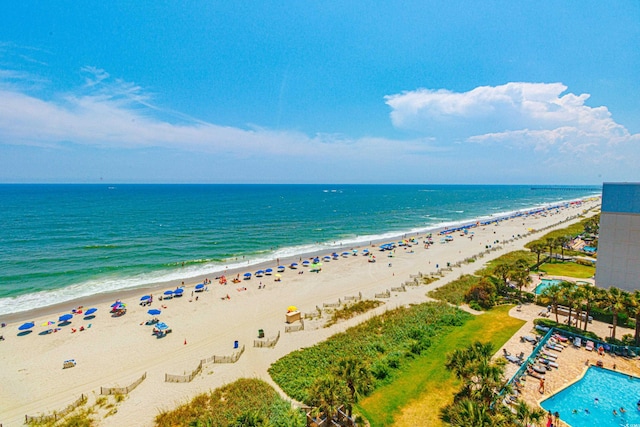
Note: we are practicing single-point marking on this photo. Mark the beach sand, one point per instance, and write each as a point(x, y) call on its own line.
point(114, 352)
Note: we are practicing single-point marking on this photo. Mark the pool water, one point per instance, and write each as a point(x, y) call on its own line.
point(612, 390)
point(545, 283)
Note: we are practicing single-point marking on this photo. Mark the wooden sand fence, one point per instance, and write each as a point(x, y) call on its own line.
point(313, 314)
point(414, 282)
point(354, 297)
point(56, 415)
point(224, 359)
point(385, 294)
point(332, 304)
point(183, 378)
point(401, 288)
point(295, 328)
point(123, 390)
point(271, 342)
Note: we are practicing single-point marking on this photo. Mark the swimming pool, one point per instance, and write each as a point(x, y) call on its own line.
point(545, 283)
point(591, 400)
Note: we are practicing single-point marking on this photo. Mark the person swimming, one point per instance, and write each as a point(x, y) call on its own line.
point(622, 410)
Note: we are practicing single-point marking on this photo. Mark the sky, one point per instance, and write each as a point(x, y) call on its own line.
point(415, 92)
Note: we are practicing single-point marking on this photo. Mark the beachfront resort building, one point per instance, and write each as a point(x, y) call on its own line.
point(619, 242)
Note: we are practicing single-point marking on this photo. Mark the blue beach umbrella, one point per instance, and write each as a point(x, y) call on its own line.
point(26, 326)
point(281, 268)
point(145, 298)
point(169, 292)
point(200, 286)
point(154, 312)
point(247, 276)
point(179, 291)
point(65, 317)
point(90, 311)
point(305, 263)
point(268, 271)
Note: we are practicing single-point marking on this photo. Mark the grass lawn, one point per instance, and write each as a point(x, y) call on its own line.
point(416, 396)
point(570, 269)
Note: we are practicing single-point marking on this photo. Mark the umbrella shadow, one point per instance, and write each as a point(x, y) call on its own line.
point(23, 333)
point(89, 317)
point(65, 323)
point(47, 332)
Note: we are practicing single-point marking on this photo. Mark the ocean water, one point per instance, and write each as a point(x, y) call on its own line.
point(59, 242)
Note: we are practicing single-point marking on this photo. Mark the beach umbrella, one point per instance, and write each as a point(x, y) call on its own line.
point(179, 291)
point(49, 323)
point(200, 286)
point(292, 308)
point(278, 275)
point(65, 317)
point(154, 312)
point(281, 268)
point(169, 292)
point(117, 303)
point(90, 311)
point(294, 264)
point(26, 326)
point(145, 298)
point(247, 275)
point(268, 271)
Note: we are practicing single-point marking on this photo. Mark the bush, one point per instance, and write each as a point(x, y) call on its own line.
point(484, 293)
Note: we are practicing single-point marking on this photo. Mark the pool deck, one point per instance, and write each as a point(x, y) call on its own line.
point(572, 361)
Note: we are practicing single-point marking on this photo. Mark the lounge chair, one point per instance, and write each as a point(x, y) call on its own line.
point(589, 346)
point(513, 359)
point(577, 342)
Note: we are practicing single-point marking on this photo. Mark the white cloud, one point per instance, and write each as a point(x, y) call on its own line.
point(534, 115)
point(110, 113)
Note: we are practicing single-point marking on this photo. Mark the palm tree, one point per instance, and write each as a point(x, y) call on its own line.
point(561, 242)
point(616, 302)
point(503, 271)
point(521, 277)
point(553, 293)
point(568, 295)
point(327, 394)
point(479, 374)
point(551, 243)
point(468, 413)
point(635, 305)
point(590, 295)
point(526, 414)
point(538, 249)
point(357, 376)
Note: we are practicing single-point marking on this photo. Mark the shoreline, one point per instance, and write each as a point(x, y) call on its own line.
point(116, 351)
point(159, 287)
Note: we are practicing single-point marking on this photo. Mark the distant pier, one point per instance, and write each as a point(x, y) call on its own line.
point(569, 188)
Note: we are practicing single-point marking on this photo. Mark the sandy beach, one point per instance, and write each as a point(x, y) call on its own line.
point(115, 351)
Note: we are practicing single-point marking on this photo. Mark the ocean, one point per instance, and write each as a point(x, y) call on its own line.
point(60, 242)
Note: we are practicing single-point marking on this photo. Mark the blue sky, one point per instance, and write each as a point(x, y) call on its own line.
point(320, 92)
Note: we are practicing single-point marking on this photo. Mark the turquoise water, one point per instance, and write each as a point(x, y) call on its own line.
point(66, 241)
point(545, 283)
point(612, 391)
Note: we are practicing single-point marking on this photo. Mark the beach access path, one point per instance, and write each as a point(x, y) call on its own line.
point(115, 351)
